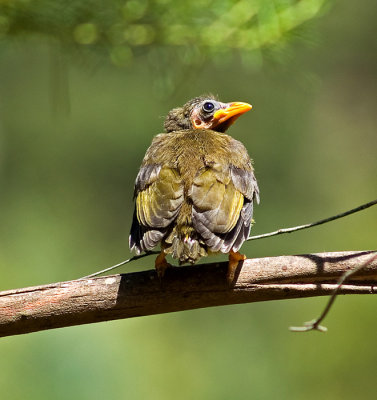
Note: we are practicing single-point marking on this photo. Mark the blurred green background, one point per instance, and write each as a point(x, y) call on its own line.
point(78, 108)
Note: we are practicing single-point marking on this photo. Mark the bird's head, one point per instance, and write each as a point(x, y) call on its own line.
point(205, 112)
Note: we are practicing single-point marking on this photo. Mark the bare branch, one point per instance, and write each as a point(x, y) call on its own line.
point(320, 222)
point(315, 324)
point(137, 294)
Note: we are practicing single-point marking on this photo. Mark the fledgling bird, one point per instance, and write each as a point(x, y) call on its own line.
point(196, 186)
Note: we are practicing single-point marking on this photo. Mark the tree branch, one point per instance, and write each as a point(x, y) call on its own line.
point(315, 324)
point(138, 294)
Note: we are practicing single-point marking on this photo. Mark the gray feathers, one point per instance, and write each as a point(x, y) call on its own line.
point(147, 174)
point(142, 238)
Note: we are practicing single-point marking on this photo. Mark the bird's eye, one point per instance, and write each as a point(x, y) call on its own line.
point(208, 107)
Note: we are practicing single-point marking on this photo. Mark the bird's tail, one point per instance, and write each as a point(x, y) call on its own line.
point(183, 242)
point(187, 248)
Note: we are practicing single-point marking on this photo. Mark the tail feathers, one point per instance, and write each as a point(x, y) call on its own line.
point(186, 249)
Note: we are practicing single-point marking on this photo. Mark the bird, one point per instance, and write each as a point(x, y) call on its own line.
point(196, 186)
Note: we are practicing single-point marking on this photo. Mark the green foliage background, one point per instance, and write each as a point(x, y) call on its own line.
point(85, 86)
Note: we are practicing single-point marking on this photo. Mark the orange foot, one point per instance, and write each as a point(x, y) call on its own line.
point(161, 264)
point(234, 259)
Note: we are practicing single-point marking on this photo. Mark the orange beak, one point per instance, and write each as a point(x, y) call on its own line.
point(226, 116)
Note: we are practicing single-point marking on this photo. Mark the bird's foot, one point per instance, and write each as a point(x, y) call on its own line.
point(161, 264)
point(234, 260)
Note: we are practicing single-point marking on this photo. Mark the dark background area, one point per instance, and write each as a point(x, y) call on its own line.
point(70, 149)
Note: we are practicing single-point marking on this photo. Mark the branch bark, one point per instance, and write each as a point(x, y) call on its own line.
point(138, 294)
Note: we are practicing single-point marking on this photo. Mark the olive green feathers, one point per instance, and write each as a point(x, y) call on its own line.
point(194, 194)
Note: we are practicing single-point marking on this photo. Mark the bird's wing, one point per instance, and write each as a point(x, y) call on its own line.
point(160, 200)
point(159, 197)
point(223, 205)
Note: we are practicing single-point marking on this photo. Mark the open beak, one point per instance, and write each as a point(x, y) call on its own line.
point(224, 117)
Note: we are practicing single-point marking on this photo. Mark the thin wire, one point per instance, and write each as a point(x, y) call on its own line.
point(120, 264)
point(322, 221)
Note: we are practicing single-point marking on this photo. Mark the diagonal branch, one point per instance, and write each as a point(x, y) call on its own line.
point(138, 294)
